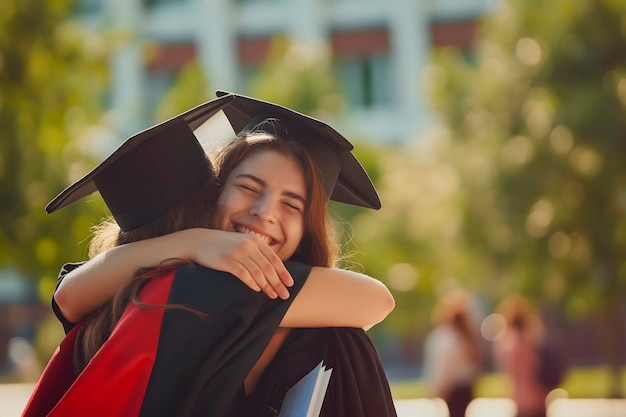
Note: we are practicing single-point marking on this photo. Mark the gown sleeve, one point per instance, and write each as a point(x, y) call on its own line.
point(66, 269)
point(169, 361)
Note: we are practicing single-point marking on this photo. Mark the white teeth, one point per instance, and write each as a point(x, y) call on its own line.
point(243, 229)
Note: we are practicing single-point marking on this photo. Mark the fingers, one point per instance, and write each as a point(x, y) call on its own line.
point(258, 266)
point(268, 272)
point(251, 275)
point(277, 265)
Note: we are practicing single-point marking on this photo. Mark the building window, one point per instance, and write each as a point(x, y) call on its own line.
point(169, 58)
point(363, 65)
point(460, 34)
point(252, 52)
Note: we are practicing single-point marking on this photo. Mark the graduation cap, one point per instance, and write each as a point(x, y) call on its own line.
point(147, 174)
point(158, 167)
point(345, 179)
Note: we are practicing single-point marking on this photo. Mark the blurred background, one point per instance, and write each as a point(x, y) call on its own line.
point(495, 131)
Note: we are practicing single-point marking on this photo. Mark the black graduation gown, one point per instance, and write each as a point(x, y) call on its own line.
point(358, 385)
point(169, 362)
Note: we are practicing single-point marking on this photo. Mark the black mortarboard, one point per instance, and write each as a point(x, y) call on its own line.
point(345, 180)
point(147, 175)
point(154, 169)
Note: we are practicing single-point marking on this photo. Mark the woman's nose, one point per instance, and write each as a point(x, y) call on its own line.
point(264, 209)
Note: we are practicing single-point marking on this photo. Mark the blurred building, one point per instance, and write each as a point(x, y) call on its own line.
point(380, 49)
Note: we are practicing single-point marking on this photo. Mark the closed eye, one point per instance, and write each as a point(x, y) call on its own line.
point(247, 187)
point(295, 201)
point(294, 206)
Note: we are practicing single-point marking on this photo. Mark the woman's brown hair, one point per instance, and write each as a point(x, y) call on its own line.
point(318, 246)
point(195, 211)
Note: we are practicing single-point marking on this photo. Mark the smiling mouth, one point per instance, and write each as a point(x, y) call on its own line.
point(243, 229)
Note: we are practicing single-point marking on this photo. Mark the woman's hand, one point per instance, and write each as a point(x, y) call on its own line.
point(247, 257)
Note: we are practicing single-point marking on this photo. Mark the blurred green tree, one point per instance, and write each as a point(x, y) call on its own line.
point(414, 242)
point(52, 76)
point(537, 131)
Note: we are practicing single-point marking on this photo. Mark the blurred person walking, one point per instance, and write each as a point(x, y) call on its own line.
point(530, 359)
point(453, 352)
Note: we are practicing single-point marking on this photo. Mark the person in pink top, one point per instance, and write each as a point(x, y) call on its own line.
point(517, 354)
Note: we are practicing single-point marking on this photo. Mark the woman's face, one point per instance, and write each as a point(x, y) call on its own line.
point(265, 195)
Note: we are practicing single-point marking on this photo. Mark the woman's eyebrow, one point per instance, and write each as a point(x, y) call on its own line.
point(253, 178)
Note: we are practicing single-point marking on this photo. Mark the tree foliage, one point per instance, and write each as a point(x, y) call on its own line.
point(52, 74)
point(521, 187)
point(538, 132)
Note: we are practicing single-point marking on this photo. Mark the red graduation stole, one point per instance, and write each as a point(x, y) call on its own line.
point(115, 380)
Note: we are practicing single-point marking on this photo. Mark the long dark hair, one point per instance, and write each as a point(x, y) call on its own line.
point(195, 211)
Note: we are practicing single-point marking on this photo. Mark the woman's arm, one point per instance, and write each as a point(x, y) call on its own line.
point(246, 256)
point(339, 298)
point(329, 298)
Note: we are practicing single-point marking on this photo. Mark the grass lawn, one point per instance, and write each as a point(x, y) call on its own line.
point(580, 382)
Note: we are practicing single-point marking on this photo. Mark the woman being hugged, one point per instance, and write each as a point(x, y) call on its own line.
point(271, 207)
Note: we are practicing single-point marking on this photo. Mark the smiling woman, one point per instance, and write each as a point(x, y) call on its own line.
point(258, 198)
point(215, 346)
point(287, 187)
